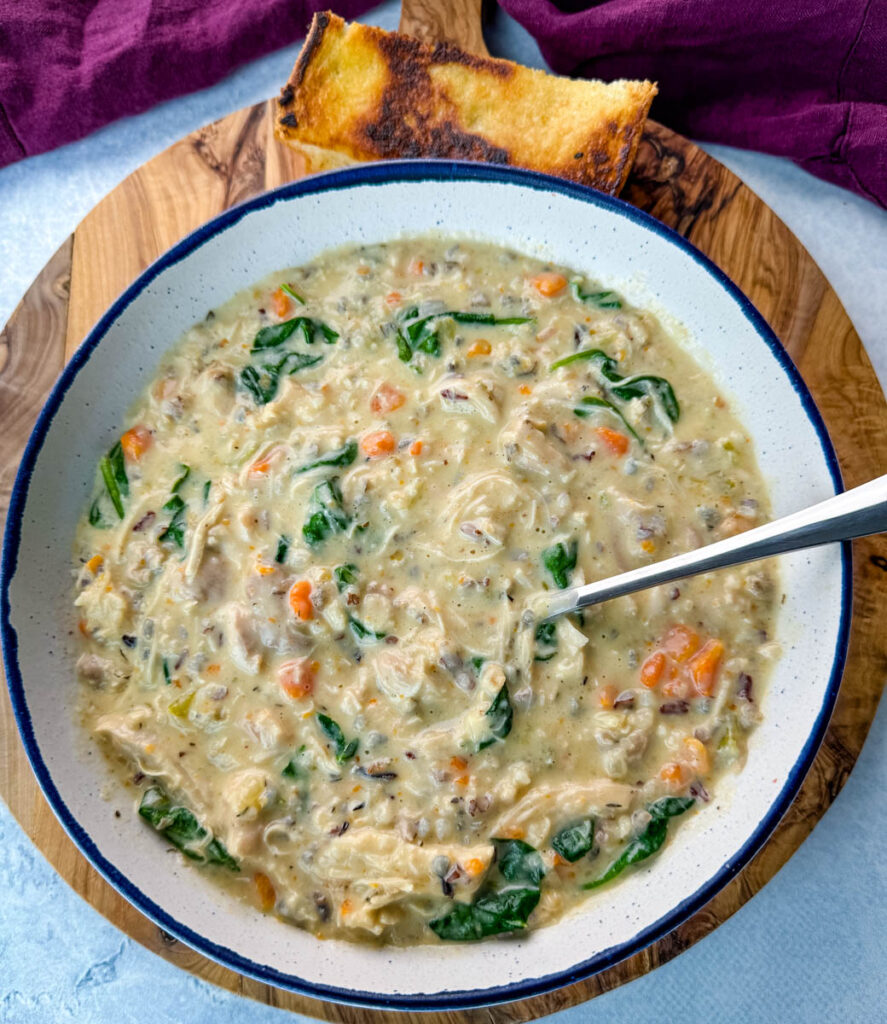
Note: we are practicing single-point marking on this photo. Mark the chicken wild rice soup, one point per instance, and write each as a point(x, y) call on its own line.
point(303, 580)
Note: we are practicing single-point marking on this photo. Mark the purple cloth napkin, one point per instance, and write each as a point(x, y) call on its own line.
point(69, 66)
point(806, 79)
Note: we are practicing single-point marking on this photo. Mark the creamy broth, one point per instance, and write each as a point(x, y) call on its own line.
point(304, 584)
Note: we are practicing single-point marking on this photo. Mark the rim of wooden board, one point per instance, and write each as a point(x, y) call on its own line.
point(237, 157)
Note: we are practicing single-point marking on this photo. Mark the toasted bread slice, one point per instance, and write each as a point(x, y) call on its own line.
point(358, 93)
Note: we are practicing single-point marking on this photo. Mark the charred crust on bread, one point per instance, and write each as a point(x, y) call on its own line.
point(359, 93)
point(401, 127)
point(447, 53)
point(319, 25)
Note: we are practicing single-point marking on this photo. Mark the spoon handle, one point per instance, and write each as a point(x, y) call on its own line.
point(856, 513)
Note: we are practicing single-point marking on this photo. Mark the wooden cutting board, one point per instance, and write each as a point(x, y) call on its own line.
point(235, 158)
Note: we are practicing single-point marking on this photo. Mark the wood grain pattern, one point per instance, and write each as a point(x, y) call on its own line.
point(456, 21)
point(236, 157)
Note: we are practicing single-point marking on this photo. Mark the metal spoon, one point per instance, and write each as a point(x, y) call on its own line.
point(856, 513)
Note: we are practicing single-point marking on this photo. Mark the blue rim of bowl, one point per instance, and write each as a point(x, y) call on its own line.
point(384, 174)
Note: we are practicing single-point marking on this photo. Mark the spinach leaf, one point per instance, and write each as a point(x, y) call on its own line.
point(344, 750)
point(519, 862)
point(670, 806)
point(292, 293)
point(183, 830)
point(574, 841)
point(501, 716)
point(206, 488)
point(325, 512)
point(487, 318)
point(314, 329)
point(499, 906)
point(111, 485)
point(603, 300)
point(294, 770)
point(118, 465)
point(297, 772)
point(602, 403)
point(490, 914)
point(277, 334)
point(164, 665)
point(363, 632)
point(185, 472)
point(657, 387)
point(546, 641)
point(415, 334)
point(262, 384)
point(283, 546)
point(477, 663)
point(95, 514)
point(585, 355)
point(175, 530)
point(560, 561)
point(343, 457)
point(345, 575)
point(648, 842)
point(626, 387)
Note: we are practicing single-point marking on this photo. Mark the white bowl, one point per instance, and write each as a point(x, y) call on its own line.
point(612, 243)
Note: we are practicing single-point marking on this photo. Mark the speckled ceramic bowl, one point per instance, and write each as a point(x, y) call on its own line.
point(605, 239)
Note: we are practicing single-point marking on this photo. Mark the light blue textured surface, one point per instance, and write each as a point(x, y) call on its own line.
point(808, 948)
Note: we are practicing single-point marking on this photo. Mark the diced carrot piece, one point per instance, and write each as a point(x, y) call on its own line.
point(281, 307)
point(677, 684)
point(264, 570)
point(378, 443)
point(263, 463)
point(416, 448)
point(616, 442)
point(84, 629)
point(704, 667)
point(695, 756)
point(474, 867)
point(386, 399)
point(346, 908)
point(515, 832)
point(393, 298)
point(296, 677)
point(649, 546)
point(606, 696)
point(300, 600)
point(671, 771)
point(417, 267)
point(549, 284)
point(652, 669)
point(458, 764)
point(462, 780)
point(480, 348)
point(265, 890)
point(525, 389)
point(680, 642)
point(95, 563)
point(135, 442)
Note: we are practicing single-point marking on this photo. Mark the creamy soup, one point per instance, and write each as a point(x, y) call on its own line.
point(304, 586)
